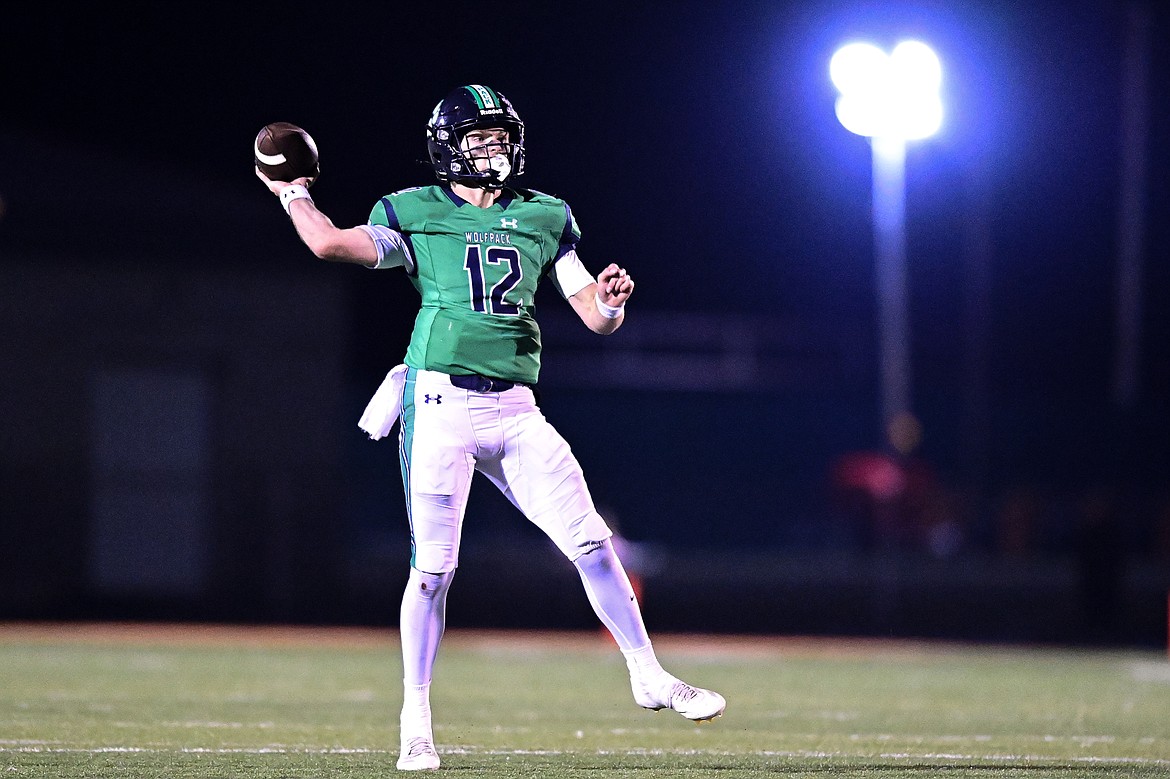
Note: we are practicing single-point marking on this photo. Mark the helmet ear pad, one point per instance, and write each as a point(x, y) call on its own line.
point(465, 109)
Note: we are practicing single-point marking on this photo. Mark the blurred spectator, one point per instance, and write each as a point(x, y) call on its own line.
point(1161, 550)
point(1100, 556)
point(894, 502)
point(866, 487)
point(946, 519)
point(1016, 521)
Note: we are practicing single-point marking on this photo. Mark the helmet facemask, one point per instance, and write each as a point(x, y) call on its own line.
point(486, 155)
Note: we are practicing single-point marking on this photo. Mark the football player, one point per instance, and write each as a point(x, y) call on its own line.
point(475, 247)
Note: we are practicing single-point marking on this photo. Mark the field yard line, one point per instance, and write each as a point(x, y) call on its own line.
point(1158, 672)
point(279, 749)
point(802, 754)
point(536, 641)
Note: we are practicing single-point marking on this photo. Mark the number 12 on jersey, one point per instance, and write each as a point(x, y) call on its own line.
point(483, 266)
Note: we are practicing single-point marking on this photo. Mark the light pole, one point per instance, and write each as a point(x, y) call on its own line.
point(890, 99)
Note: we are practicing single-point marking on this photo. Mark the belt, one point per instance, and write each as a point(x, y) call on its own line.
point(477, 383)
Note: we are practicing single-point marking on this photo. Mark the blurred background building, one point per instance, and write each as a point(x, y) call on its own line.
point(182, 381)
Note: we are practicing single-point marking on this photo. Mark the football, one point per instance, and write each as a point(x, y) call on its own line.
point(284, 152)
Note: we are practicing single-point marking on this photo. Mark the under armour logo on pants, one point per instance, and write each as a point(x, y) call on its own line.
point(437, 398)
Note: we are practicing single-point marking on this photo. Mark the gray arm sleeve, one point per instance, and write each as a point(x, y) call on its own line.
point(393, 250)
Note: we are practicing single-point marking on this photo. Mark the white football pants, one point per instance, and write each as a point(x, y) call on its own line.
point(447, 433)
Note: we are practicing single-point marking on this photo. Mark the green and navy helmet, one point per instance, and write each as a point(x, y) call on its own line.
point(468, 108)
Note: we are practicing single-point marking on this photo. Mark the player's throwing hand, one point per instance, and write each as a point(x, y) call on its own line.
point(275, 186)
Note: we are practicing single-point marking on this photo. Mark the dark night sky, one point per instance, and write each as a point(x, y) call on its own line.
point(696, 143)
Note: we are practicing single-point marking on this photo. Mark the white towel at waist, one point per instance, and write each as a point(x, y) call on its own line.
point(384, 408)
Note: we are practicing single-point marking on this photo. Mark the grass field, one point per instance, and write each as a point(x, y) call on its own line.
point(165, 701)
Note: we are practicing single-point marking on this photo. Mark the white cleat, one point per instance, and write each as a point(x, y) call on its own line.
point(694, 703)
point(418, 754)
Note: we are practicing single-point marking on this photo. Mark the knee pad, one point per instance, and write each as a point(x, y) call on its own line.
point(599, 556)
point(435, 555)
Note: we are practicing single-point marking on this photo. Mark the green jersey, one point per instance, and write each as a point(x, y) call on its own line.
point(477, 270)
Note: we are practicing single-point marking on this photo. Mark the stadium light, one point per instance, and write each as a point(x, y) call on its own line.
point(890, 99)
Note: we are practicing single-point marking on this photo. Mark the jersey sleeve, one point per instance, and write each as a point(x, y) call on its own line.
point(568, 274)
point(570, 235)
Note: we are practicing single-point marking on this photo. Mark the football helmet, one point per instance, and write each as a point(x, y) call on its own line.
point(467, 108)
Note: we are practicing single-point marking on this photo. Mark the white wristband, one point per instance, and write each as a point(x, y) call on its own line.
point(607, 311)
point(293, 192)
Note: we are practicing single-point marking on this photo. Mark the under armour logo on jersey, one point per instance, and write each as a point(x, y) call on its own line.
point(437, 398)
point(506, 222)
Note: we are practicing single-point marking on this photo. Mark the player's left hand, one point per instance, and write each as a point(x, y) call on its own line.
point(614, 286)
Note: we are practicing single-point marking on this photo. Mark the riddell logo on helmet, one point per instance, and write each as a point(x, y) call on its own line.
point(492, 111)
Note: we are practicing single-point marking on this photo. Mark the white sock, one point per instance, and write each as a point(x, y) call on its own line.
point(643, 663)
point(416, 711)
point(612, 597)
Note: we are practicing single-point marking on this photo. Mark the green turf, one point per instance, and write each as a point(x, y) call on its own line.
point(78, 708)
